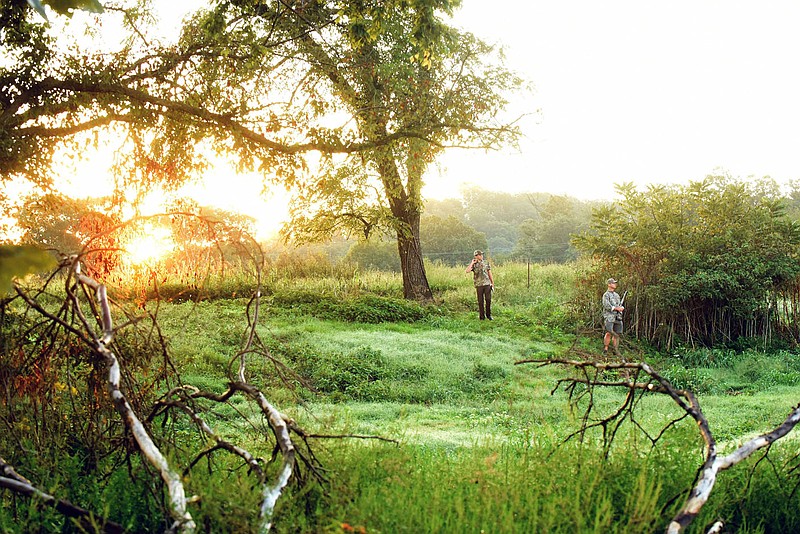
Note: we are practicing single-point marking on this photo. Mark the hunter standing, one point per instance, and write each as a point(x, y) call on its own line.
point(612, 317)
point(484, 284)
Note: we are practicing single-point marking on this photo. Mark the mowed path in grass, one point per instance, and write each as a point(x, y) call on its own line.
point(448, 380)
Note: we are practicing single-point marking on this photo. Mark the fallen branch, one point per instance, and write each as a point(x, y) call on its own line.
point(686, 400)
point(86, 315)
point(11, 480)
point(183, 521)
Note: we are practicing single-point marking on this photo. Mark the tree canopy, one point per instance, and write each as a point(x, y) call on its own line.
point(376, 90)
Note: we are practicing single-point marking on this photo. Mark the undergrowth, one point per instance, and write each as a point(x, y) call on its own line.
point(481, 439)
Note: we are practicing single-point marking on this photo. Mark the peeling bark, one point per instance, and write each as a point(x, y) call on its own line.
point(183, 521)
point(95, 329)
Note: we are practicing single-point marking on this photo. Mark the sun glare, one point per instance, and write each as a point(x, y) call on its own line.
point(150, 246)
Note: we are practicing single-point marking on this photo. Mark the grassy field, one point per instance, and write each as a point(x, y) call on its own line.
point(481, 439)
point(480, 443)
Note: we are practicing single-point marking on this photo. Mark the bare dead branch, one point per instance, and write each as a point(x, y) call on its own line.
point(13, 481)
point(219, 443)
point(183, 521)
point(591, 377)
point(86, 314)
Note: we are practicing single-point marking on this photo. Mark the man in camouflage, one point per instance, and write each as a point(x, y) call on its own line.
point(612, 317)
point(484, 284)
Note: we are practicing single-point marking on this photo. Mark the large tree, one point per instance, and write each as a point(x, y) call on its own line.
point(265, 83)
point(392, 70)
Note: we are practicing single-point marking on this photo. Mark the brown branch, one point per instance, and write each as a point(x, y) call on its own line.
point(224, 120)
point(43, 131)
point(220, 443)
point(12, 481)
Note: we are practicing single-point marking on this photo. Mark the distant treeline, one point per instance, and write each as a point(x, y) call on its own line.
point(536, 227)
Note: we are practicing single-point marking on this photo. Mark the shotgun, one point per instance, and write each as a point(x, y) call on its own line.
point(621, 303)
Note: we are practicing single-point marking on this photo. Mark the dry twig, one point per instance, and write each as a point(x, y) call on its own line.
point(640, 378)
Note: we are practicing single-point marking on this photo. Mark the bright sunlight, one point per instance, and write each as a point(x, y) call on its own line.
point(150, 246)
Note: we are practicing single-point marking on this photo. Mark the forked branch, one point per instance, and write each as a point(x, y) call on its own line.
point(640, 378)
point(183, 521)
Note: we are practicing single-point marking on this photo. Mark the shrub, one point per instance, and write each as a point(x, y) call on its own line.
point(367, 309)
point(708, 357)
point(693, 379)
point(355, 375)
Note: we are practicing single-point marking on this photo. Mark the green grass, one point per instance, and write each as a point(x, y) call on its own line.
point(521, 487)
point(480, 439)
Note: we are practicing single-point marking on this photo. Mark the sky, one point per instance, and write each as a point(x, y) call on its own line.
point(624, 91)
point(640, 91)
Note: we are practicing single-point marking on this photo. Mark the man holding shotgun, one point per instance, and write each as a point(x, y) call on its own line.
point(612, 316)
point(484, 284)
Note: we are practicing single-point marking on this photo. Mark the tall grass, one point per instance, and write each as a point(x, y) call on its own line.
point(525, 487)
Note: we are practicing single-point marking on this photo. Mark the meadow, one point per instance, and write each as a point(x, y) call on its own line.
point(481, 440)
point(478, 443)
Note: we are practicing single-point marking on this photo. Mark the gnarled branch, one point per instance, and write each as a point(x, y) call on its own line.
point(653, 382)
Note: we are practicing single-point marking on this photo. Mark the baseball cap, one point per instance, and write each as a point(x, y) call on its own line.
point(477, 252)
point(611, 281)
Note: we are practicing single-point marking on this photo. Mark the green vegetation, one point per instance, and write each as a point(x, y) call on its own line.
point(722, 252)
point(480, 440)
point(417, 411)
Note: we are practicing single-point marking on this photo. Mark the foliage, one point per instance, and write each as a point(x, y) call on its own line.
point(67, 226)
point(19, 261)
point(498, 215)
point(393, 67)
point(395, 78)
point(479, 436)
point(364, 309)
point(548, 238)
point(59, 417)
point(375, 254)
point(65, 7)
point(450, 240)
point(706, 263)
point(521, 226)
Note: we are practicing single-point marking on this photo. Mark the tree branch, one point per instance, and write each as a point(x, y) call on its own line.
point(12, 481)
point(713, 463)
point(178, 501)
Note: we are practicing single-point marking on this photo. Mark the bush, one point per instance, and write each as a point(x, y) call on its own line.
point(693, 379)
point(367, 309)
point(356, 375)
point(708, 357)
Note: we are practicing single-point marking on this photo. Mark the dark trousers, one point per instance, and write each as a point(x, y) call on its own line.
point(484, 296)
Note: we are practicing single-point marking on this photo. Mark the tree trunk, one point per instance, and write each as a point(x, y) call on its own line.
point(415, 281)
point(406, 207)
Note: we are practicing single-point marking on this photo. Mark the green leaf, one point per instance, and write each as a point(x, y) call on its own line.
point(65, 7)
point(17, 261)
